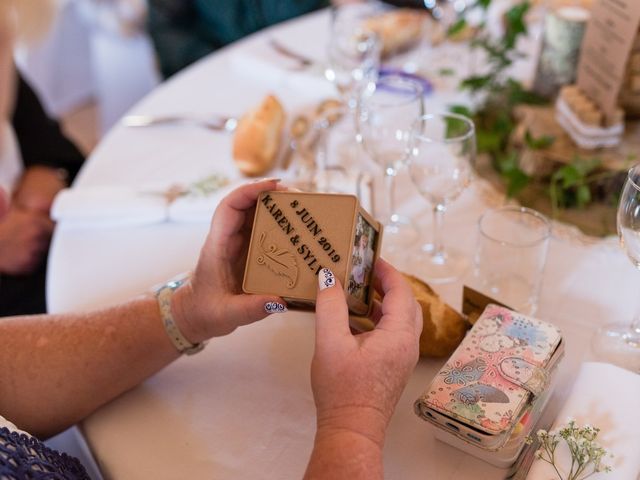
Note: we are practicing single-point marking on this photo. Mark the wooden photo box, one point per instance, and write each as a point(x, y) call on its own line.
point(295, 235)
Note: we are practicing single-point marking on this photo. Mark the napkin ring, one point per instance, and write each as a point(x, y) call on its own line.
point(163, 295)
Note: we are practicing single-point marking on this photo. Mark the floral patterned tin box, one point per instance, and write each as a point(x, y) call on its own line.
point(496, 381)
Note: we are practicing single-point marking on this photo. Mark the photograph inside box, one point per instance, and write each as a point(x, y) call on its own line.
point(295, 235)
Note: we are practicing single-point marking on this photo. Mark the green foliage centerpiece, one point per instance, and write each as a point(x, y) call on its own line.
point(577, 189)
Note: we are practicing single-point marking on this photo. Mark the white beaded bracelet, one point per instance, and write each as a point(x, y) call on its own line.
point(164, 294)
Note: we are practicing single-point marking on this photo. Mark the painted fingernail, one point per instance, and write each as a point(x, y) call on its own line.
point(326, 279)
point(268, 179)
point(275, 307)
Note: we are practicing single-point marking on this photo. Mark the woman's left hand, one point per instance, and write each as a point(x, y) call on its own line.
point(212, 304)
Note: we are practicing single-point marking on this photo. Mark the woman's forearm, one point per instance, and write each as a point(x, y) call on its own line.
point(345, 455)
point(57, 369)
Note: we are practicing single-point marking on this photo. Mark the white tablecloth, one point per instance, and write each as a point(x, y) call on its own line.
point(243, 408)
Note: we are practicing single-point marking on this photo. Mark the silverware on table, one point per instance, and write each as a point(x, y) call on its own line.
point(218, 123)
point(302, 61)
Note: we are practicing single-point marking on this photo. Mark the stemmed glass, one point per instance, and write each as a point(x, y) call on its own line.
point(620, 343)
point(353, 60)
point(386, 112)
point(442, 153)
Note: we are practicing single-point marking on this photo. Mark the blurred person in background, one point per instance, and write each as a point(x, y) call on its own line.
point(184, 31)
point(36, 162)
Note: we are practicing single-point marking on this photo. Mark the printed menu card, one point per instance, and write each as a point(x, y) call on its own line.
point(610, 34)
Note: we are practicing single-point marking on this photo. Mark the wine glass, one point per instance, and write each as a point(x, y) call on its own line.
point(353, 61)
point(353, 52)
point(442, 153)
point(620, 343)
point(386, 112)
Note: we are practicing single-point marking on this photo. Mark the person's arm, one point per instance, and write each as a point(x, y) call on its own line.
point(357, 380)
point(56, 369)
point(41, 140)
point(51, 160)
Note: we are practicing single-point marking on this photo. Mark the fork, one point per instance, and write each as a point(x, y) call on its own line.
point(303, 62)
point(220, 123)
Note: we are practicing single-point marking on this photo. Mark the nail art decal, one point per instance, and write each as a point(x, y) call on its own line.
point(274, 307)
point(326, 279)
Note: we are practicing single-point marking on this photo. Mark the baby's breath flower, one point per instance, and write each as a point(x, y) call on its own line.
point(586, 453)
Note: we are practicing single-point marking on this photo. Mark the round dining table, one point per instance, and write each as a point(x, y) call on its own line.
point(243, 407)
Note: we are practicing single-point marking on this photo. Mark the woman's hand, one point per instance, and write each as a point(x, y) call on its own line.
point(37, 188)
point(213, 304)
point(24, 239)
point(357, 380)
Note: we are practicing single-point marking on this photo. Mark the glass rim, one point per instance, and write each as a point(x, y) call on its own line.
point(635, 168)
point(517, 209)
point(400, 79)
point(460, 138)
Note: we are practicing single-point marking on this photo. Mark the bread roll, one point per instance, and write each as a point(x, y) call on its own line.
point(442, 327)
point(257, 138)
point(398, 29)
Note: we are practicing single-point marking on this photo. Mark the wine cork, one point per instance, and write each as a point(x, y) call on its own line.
point(588, 111)
point(591, 117)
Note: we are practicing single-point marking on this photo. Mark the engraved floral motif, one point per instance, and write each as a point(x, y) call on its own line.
point(279, 260)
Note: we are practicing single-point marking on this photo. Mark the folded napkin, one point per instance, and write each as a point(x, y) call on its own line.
point(108, 206)
point(119, 206)
point(260, 59)
point(603, 396)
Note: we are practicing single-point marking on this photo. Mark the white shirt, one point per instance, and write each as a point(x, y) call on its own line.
point(11, 166)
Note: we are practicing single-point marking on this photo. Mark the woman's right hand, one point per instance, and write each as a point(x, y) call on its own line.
point(357, 380)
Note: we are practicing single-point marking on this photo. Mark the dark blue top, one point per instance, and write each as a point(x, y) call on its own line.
point(185, 30)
